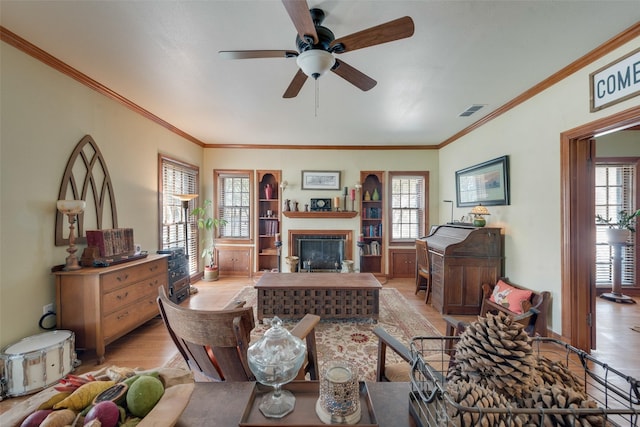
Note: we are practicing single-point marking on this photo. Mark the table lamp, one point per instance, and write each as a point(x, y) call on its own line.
point(71, 208)
point(478, 213)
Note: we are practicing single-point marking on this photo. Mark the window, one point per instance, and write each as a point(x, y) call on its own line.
point(178, 178)
point(233, 203)
point(408, 205)
point(616, 190)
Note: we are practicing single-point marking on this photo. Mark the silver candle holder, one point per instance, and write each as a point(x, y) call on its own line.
point(339, 400)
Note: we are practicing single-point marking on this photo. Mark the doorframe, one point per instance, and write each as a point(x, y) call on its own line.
point(577, 159)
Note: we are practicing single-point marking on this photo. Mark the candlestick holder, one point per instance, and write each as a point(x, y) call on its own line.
point(71, 208)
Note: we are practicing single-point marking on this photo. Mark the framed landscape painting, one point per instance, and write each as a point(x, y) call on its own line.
point(320, 180)
point(486, 183)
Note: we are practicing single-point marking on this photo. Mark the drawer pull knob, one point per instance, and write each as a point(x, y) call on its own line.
point(123, 315)
point(121, 297)
point(123, 278)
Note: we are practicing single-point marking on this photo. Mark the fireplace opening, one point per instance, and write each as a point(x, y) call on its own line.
point(320, 250)
point(320, 254)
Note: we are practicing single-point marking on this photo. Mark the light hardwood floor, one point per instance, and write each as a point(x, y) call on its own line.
point(149, 346)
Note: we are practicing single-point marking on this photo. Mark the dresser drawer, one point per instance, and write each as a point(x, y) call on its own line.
point(120, 322)
point(148, 308)
point(121, 297)
point(127, 276)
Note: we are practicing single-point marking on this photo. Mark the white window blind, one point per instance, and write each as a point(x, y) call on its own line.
point(407, 207)
point(615, 189)
point(179, 178)
point(234, 205)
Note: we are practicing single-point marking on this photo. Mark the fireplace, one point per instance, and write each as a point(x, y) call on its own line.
point(321, 250)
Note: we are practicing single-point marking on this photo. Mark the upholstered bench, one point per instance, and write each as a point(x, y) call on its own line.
point(517, 301)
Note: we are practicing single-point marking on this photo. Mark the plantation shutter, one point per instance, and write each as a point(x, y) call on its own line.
point(234, 205)
point(615, 190)
point(179, 178)
point(407, 207)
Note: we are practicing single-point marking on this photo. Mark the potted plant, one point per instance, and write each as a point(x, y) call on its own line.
point(208, 225)
point(620, 230)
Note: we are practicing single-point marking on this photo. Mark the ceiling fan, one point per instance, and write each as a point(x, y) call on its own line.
point(316, 46)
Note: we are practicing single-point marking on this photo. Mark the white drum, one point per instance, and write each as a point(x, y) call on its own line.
point(36, 362)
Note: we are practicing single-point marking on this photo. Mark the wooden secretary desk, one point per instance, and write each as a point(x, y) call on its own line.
point(462, 259)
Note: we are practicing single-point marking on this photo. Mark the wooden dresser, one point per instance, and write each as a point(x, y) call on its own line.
point(462, 259)
point(101, 305)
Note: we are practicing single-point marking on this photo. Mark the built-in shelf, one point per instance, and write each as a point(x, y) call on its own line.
point(320, 214)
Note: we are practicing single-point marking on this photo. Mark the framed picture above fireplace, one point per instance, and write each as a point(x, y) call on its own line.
point(321, 180)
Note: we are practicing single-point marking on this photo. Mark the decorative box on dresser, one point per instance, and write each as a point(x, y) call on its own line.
point(462, 259)
point(101, 305)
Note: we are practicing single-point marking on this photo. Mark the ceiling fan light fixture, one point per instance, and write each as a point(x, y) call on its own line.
point(315, 62)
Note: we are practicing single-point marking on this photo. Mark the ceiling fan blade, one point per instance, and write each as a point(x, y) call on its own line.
point(250, 54)
point(393, 30)
point(295, 85)
point(299, 13)
point(353, 76)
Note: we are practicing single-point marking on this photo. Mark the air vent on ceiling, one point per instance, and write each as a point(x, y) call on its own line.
point(471, 110)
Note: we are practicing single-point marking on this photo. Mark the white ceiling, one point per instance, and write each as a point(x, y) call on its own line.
point(162, 55)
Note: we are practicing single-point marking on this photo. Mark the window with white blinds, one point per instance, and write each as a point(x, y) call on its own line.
point(234, 204)
point(408, 196)
point(615, 185)
point(179, 178)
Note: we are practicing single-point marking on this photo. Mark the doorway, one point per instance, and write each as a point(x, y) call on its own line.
point(577, 156)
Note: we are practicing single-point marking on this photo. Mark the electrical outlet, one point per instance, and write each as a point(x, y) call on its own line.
point(48, 308)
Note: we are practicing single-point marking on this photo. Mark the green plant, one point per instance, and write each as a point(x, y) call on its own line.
point(625, 220)
point(208, 224)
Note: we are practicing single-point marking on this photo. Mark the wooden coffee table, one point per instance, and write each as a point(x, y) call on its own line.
point(329, 295)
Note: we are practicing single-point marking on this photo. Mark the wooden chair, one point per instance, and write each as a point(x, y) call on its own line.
point(423, 269)
point(214, 343)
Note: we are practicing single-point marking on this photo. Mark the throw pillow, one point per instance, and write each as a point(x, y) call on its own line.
point(509, 297)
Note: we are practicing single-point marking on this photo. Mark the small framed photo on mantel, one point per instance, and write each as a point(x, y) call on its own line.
point(486, 183)
point(321, 180)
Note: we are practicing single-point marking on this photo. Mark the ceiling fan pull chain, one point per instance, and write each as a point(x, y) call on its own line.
point(317, 95)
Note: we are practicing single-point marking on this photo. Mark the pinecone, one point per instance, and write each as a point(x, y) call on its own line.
point(556, 397)
point(552, 373)
point(496, 352)
point(471, 395)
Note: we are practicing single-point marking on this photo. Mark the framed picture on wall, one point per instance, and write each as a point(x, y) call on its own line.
point(486, 183)
point(320, 180)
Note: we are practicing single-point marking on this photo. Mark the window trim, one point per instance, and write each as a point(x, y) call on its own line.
point(425, 196)
point(217, 174)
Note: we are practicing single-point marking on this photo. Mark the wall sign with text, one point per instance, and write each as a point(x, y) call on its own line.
point(615, 82)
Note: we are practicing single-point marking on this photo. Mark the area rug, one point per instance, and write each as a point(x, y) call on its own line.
point(354, 340)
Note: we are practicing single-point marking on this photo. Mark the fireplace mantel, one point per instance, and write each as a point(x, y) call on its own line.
point(320, 214)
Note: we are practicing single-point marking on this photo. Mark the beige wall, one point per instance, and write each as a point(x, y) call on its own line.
point(619, 144)
point(530, 136)
point(44, 116)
